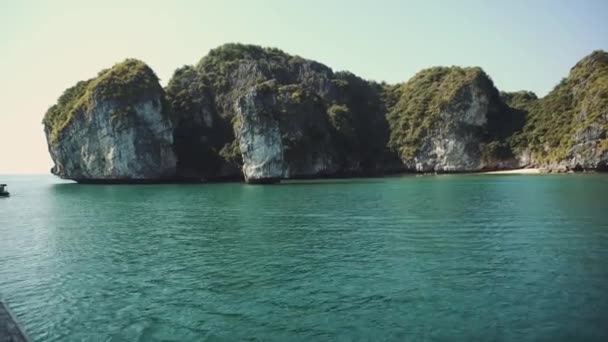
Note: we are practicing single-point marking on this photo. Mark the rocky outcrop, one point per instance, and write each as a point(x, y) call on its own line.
point(567, 130)
point(283, 136)
point(268, 115)
point(590, 148)
point(259, 138)
point(110, 129)
point(263, 115)
point(588, 83)
point(441, 120)
point(454, 146)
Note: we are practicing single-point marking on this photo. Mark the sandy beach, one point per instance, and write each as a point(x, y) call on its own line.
point(514, 172)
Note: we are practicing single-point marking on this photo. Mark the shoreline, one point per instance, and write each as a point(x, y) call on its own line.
point(193, 181)
point(528, 171)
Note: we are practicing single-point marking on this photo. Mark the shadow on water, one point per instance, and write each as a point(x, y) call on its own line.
point(349, 181)
point(329, 181)
point(289, 182)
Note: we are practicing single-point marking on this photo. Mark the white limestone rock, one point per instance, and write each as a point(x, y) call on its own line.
point(106, 144)
point(454, 145)
point(259, 139)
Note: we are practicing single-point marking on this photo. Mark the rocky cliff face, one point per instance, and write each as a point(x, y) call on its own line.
point(588, 83)
point(260, 114)
point(259, 137)
point(455, 145)
point(567, 129)
point(108, 129)
point(441, 119)
point(268, 115)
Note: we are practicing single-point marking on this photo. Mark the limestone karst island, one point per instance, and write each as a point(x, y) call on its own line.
point(295, 171)
point(262, 115)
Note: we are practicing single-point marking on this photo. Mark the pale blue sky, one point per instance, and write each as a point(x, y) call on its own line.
point(47, 46)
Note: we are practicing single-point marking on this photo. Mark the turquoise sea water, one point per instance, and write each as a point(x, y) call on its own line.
point(467, 257)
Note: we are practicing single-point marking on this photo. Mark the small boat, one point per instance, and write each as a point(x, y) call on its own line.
point(3, 192)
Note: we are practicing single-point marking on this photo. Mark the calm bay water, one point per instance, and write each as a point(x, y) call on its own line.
point(467, 257)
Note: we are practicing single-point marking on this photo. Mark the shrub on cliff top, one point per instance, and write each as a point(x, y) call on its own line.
point(519, 99)
point(234, 52)
point(215, 68)
point(125, 83)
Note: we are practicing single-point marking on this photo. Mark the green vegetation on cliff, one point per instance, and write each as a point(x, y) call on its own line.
point(338, 123)
point(420, 101)
point(521, 100)
point(60, 115)
point(577, 102)
point(218, 60)
point(210, 88)
point(338, 114)
point(358, 115)
point(216, 69)
point(125, 84)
